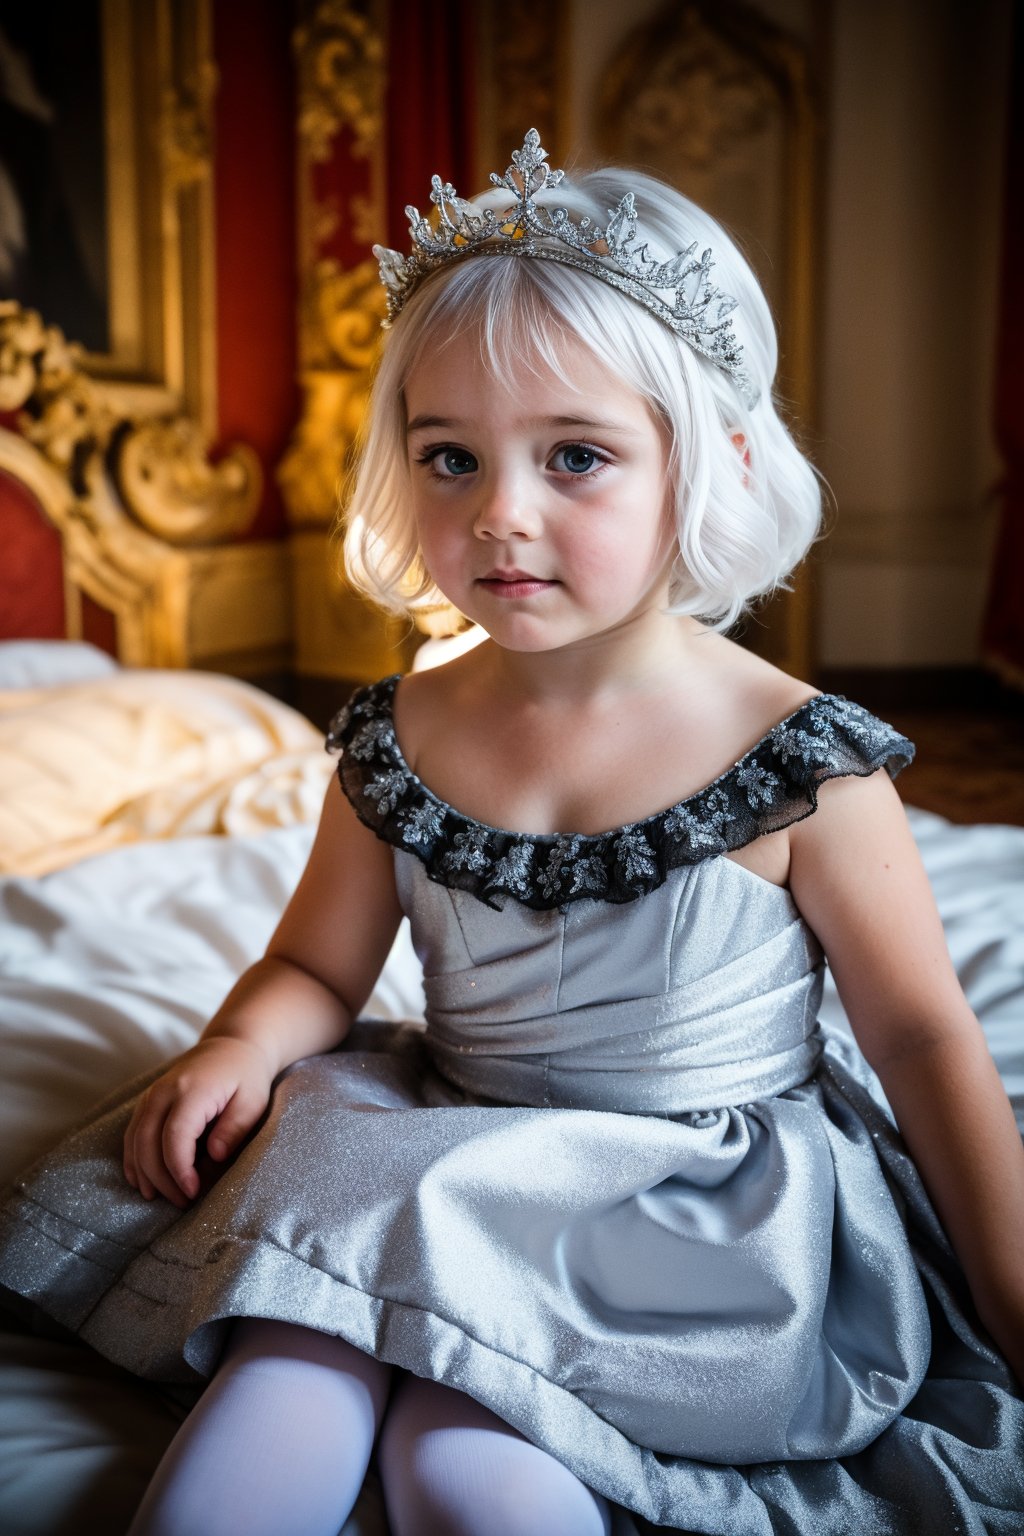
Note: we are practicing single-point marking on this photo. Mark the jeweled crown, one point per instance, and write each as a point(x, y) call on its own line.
point(679, 292)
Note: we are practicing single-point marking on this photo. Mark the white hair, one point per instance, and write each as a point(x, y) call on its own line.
point(745, 516)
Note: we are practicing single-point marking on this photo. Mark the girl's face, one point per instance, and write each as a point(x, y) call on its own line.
point(541, 503)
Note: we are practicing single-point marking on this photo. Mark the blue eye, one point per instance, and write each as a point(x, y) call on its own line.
point(450, 462)
point(578, 459)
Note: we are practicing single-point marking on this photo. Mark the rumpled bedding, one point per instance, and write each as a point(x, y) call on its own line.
point(101, 761)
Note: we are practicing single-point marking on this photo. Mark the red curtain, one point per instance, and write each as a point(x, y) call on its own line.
point(431, 107)
point(254, 200)
point(31, 579)
point(1003, 634)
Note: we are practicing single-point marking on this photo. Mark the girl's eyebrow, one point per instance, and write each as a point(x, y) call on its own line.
point(418, 423)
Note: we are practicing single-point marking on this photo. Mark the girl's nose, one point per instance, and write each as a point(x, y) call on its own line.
point(505, 511)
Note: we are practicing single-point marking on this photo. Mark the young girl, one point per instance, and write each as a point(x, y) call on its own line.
point(619, 1238)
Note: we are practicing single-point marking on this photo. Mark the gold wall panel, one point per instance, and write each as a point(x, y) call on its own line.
point(341, 64)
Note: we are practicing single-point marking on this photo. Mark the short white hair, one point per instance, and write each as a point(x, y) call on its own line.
point(744, 518)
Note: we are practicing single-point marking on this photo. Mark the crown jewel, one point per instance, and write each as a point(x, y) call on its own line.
point(678, 291)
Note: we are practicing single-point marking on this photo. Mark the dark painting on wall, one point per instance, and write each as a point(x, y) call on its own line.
point(53, 189)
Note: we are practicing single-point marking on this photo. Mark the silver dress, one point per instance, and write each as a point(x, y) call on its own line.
point(619, 1189)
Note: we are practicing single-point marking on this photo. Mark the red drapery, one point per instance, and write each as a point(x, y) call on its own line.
point(254, 202)
point(1003, 634)
point(431, 106)
point(31, 580)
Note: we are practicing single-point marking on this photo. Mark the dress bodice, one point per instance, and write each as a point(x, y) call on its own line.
point(578, 993)
point(702, 995)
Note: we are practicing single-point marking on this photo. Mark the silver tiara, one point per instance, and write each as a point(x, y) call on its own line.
point(679, 291)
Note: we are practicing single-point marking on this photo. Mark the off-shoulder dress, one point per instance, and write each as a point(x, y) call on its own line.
point(620, 1188)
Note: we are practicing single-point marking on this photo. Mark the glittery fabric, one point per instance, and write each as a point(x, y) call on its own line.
point(620, 1189)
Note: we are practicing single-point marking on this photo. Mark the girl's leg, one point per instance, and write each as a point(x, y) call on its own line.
point(452, 1468)
point(279, 1441)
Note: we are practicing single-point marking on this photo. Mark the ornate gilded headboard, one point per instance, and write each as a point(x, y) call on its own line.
point(144, 519)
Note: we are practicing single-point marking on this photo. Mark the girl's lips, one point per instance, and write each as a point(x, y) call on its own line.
point(513, 583)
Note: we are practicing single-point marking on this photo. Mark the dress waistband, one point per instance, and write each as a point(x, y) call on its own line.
point(545, 1080)
point(663, 1055)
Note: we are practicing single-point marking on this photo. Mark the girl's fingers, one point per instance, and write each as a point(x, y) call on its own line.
point(146, 1189)
point(128, 1156)
point(181, 1132)
point(172, 1115)
point(153, 1174)
point(131, 1151)
point(234, 1123)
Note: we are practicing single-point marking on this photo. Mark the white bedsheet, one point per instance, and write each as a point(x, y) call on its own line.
point(115, 963)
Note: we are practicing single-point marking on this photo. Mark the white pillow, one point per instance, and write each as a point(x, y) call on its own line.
point(48, 663)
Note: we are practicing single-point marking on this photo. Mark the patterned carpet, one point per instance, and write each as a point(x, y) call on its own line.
point(969, 765)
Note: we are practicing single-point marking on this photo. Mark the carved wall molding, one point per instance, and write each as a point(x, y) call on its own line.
point(717, 98)
point(699, 78)
point(142, 513)
point(341, 64)
point(169, 485)
point(342, 311)
point(340, 321)
point(186, 127)
point(521, 81)
point(159, 83)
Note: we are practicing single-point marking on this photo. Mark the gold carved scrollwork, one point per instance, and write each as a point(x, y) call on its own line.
point(341, 67)
point(341, 323)
point(341, 63)
point(349, 307)
point(27, 347)
point(170, 487)
point(167, 484)
point(40, 369)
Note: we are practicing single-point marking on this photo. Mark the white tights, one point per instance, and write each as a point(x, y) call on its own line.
point(281, 1438)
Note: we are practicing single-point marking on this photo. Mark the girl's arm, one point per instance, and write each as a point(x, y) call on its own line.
point(857, 878)
point(299, 1000)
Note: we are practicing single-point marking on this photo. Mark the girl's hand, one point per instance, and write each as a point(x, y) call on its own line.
point(299, 1000)
point(220, 1079)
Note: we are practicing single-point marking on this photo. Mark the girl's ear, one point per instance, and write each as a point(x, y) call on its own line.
point(739, 442)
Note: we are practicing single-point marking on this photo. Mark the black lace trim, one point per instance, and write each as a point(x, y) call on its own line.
point(772, 786)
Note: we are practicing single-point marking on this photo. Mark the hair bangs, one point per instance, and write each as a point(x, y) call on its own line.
point(523, 318)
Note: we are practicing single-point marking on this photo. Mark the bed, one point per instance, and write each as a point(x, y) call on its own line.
point(152, 825)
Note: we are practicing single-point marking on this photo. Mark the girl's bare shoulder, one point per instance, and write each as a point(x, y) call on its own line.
point(746, 695)
point(428, 703)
